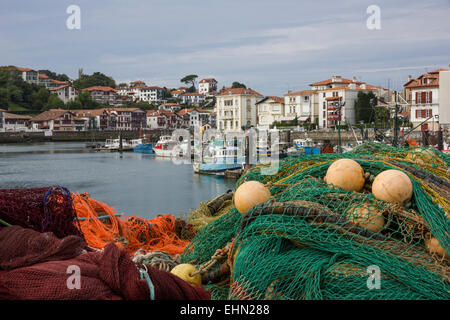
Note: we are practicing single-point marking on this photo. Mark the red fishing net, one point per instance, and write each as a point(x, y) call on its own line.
point(106, 274)
point(42, 209)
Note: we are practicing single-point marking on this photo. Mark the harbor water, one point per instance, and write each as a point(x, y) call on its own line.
point(135, 184)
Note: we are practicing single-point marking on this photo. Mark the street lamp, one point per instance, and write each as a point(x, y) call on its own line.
point(340, 105)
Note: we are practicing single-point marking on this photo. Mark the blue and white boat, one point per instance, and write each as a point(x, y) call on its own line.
point(306, 146)
point(221, 156)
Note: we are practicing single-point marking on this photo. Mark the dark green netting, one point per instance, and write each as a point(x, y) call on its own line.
point(309, 241)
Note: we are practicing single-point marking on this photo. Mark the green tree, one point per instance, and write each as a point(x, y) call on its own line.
point(96, 79)
point(14, 91)
point(54, 102)
point(74, 105)
point(238, 85)
point(363, 107)
point(55, 76)
point(86, 101)
point(40, 98)
point(190, 80)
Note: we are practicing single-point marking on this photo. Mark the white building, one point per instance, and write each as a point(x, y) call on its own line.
point(321, 103)
point(270, 109)
point(15, 122)
point(207, 86)
point(424, 97)
point(444, 99)
point(142, 93)
point(29, 75)
point(65, 92)
point(236, 108)
point(193, 98)
point(301, 104)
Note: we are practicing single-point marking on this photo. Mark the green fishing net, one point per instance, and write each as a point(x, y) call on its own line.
point(311, 240)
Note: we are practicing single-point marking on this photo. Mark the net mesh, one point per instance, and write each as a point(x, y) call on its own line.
point(100, 225)
point(309, 240)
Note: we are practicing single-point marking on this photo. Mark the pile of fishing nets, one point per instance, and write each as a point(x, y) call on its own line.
point(303, 243)
point(46, 231)
point(40, 266)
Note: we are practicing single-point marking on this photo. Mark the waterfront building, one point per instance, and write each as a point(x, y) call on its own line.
point(58, 120)
point(123, 119)
point(423, 98)
point(92, 118)
point(65, 92)
point(270, 109)
point(15, 122)
point(163, 119)
point(207, 86)
point(236, 108)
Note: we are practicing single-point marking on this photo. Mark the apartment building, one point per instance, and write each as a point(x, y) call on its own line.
point(236, 108)
point(423, 96)
point(207, 86)
point(270, 109)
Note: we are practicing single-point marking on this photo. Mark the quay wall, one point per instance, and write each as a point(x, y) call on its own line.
point(75, 136)
point(101, 136)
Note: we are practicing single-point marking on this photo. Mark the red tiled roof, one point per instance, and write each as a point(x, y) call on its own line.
point(50, 115)
point(338, 80)
point(238, 91)
point(42, 76)
point(300, 93)
point(24, 69)
point(88, 113)
point(417, 82)
point(58, 88)
point(277, 99)
point(8, 115)
point(207, 80)
point(170, 104)
point(192, 94)
point(59, 82)
point(99, 88)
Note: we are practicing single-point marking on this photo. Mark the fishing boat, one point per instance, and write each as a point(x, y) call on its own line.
point(307, 145)
point(143, 144)
point(221, 155)
point(113, 145)
point(167, 147)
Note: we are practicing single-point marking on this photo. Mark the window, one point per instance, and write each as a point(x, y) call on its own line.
point(324, 94)
point(228, 102)
point(306, 98)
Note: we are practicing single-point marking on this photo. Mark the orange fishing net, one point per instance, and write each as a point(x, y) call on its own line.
point(101, 225)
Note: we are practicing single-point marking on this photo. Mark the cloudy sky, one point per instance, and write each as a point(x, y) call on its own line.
point(271, 46)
